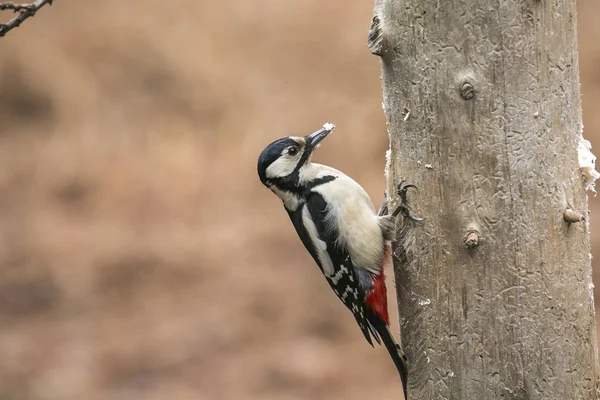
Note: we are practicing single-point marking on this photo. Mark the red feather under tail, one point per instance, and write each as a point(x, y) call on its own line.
point(377, 299)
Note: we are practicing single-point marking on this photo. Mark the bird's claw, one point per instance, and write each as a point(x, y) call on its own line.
point(407, 212)
point(403, 190)
point(404, 208)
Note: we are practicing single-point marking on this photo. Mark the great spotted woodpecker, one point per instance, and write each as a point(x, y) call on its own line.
point(337, 223)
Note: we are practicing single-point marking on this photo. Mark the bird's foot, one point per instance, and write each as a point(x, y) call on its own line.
point(403, 208)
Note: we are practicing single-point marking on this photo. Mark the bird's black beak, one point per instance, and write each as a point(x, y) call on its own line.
point(313, 140)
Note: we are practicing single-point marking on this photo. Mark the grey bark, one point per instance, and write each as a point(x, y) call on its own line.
point(483, 109)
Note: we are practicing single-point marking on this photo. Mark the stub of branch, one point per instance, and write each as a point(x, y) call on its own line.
point(471, 238)
point(24, 10)
point(375, 40)
point(572, 216)
point(467, 91)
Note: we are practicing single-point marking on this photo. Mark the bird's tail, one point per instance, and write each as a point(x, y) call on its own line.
point(394, 349)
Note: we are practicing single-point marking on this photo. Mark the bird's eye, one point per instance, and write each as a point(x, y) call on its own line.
point(293, 151)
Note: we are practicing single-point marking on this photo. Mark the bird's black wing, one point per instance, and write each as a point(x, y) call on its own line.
point(348, 283)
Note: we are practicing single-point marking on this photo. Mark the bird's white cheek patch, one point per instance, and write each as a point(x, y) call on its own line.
point(320, 246)
point(283, 166)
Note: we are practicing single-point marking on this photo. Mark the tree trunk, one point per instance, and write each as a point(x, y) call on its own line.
point(484, 116)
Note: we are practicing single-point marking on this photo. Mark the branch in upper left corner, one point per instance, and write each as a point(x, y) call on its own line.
point(24, 11)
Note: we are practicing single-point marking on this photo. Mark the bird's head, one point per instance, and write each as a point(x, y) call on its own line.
point(283, 160)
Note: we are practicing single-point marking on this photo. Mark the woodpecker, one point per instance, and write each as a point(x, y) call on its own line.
point(338, 225)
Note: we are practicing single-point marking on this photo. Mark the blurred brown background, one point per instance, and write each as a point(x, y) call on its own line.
point(140, 258)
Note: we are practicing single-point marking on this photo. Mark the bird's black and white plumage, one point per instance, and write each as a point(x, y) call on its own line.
point(337, 223)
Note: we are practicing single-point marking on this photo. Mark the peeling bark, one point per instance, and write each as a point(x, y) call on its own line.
point(495, 286)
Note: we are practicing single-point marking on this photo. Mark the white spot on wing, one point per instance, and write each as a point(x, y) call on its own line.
point(338, 275)
point(320, 246)
point(346, 292)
